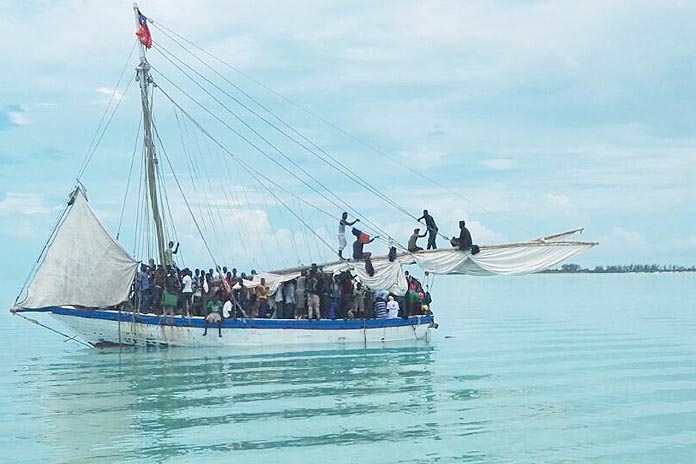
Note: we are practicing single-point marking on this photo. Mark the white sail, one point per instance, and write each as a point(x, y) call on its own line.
point(84, 265)
point(512, 259)
point(507, 259)
point(387, 276)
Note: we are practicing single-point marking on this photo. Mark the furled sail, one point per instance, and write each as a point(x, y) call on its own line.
point(387, 276)
point(510, 259)
point(84, 266)
point(507, 259)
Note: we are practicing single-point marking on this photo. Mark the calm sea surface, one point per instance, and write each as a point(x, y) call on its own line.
point(536, 369)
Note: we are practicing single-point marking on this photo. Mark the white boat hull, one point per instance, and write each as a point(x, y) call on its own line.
point(109, 328)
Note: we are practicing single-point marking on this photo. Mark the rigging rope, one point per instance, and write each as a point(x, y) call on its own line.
point(352, 175)
point(181, 190)
point(169, 32)
point(130, 172)
point(93, 146)
point(68, 337)
point(253, 172)
point(263, 152)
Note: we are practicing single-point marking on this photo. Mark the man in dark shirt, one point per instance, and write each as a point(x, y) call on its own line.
point(315, 287)
point(143, 288)
point(432, 229)
point(464, 236)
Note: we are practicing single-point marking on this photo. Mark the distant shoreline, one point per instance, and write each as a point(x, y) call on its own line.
point(620, 269)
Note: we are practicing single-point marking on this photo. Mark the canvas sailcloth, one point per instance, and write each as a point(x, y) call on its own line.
point(84, 266)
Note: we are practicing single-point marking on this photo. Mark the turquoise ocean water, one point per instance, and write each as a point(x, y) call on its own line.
point(534, 369)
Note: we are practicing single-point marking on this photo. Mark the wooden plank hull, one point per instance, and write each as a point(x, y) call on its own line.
point(109, 328)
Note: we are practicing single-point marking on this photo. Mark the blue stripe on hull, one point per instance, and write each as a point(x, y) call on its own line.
point(323, 324)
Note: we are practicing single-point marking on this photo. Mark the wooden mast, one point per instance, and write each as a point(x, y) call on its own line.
point(143, 76)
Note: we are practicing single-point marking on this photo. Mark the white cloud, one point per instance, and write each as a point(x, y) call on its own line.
point(23, 204)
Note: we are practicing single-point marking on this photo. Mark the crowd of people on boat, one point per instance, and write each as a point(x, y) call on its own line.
point(219, 293)
point(168, 290)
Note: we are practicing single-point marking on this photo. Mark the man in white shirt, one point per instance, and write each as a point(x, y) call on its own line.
point(392, 308)
point(187, 291)
point(342, 223)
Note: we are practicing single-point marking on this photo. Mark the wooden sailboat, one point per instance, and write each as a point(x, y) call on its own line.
point(91, 303)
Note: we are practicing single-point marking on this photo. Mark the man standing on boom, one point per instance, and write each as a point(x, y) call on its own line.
point(342, 223)
point(432, 229)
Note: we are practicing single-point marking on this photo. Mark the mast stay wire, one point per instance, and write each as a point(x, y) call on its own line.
point(226, 150)
point(338, 164)
point(94, 144)
point(218, 227)
point(253, 172)
point(259, 149)
point(231, 198)
point(181, 191)
point(130, 173)
point(353, 176)
point(304, 234)
point(192, 171)
point(207, 201)
point(167, 31)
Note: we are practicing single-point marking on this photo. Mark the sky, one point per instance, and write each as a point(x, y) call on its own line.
point(533, 117)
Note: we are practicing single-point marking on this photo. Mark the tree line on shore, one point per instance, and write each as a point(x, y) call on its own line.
point(621, 268)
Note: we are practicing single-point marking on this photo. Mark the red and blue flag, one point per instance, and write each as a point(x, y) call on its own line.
point(143, 32)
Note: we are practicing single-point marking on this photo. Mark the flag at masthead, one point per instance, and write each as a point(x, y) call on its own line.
point(143, 32)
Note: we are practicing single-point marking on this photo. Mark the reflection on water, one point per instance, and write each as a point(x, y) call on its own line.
point(162, 403)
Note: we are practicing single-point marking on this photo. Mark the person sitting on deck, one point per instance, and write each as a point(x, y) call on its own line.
point(169, 253)
point(412, 245)
point(342, 223)
point(431, 229)
point(214, 309)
